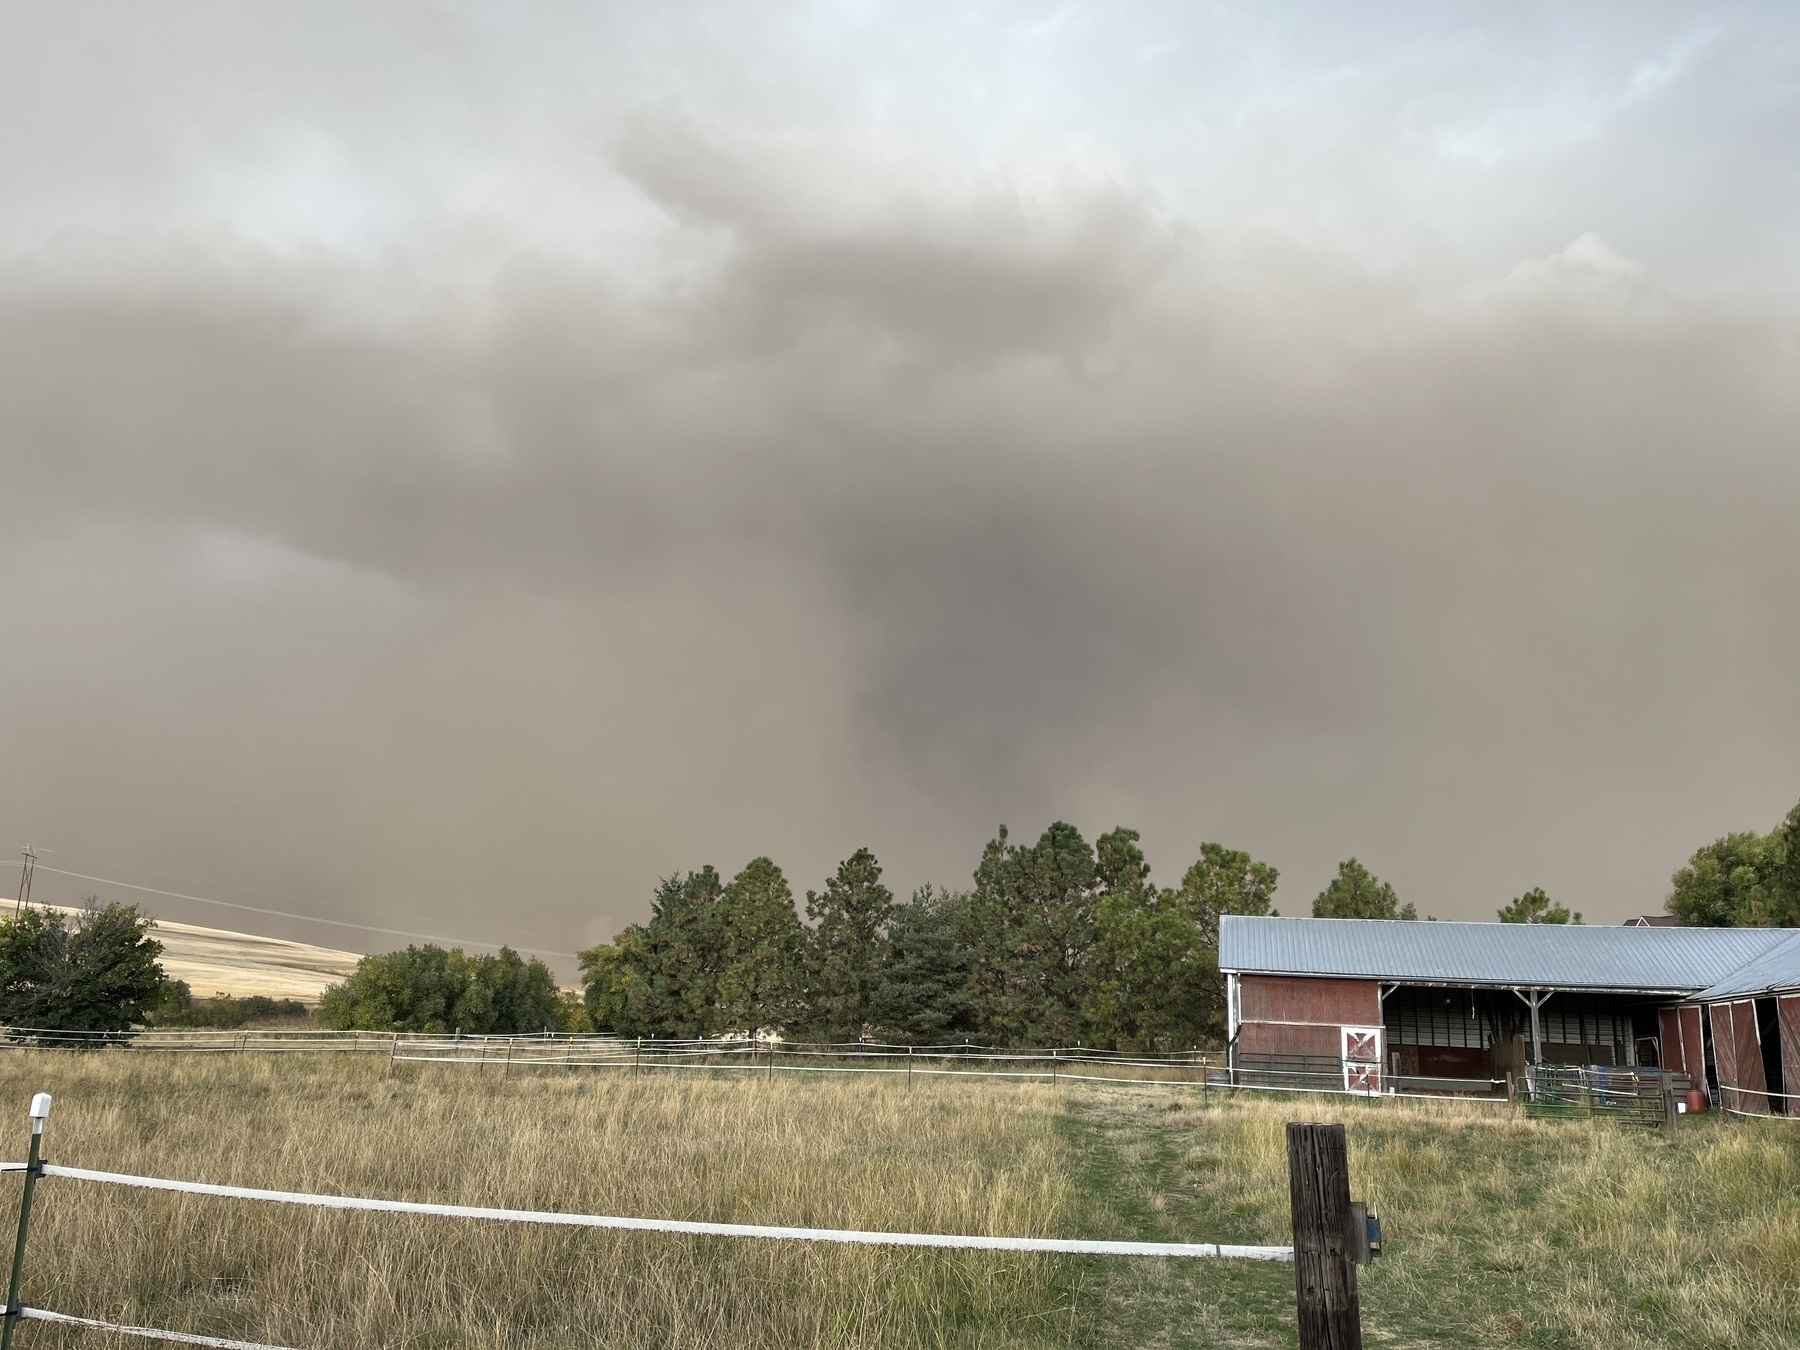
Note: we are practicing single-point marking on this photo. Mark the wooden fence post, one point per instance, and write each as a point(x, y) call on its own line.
point(1324, 1259)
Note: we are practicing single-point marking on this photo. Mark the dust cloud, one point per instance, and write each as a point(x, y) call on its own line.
point(457, 471)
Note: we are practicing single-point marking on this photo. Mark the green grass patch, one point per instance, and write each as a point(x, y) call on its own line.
point(1499, 1231)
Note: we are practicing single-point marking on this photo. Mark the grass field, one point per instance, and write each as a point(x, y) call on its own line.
point(1499, 1231)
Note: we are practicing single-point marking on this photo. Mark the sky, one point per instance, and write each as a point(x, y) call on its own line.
point(462, 462)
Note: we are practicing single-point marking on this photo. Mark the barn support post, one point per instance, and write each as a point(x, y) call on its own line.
point(1534, 999)
point(1324, 1255)
point(1233, 1016)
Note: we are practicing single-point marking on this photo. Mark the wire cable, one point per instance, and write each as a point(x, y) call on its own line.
point(90, 860)
point(304, 918)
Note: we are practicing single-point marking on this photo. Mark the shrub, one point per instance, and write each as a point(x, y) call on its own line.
point(179, 1008)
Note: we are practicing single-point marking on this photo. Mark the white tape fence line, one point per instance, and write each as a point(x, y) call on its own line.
point(872, 1238)
point(148, 1333)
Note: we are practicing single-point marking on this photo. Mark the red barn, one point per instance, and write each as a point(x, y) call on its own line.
point(1364, 1004)
point(1755, 1017)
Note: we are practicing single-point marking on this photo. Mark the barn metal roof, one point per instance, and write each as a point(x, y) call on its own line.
point(1546, 956)
point(1777, 968)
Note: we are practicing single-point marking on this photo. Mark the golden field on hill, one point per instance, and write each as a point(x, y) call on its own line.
point(219, 961)
point(1500, 1231)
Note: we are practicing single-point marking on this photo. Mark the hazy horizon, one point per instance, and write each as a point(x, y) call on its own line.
point(464, 463)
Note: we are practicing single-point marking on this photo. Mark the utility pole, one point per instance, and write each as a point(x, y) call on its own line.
point(25, 879)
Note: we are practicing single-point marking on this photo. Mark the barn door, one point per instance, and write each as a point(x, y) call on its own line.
point(1362, 1059)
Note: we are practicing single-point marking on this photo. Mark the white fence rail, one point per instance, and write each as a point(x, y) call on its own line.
point(36, 1169)
point(690, 1227)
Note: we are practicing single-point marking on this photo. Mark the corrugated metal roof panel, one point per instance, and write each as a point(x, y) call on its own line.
point(1557, 956)
point(1777, 968)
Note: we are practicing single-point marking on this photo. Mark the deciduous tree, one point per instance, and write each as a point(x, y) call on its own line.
point(433, 989)
point(1734, 882)
point(98, 972)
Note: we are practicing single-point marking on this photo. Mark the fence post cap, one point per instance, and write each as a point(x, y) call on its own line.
point(40, 1106)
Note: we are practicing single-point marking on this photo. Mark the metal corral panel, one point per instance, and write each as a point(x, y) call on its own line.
point(1552, 956)
point(1769, 971)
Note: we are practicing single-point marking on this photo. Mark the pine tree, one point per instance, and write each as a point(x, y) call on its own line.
point(923, 995)
point(1034, 911)
point(759, 952)
point(1357, 893)
point(662, 976)
point(1536, 907)
point(1224, 881)
point(846, 947)
point(1149, 976)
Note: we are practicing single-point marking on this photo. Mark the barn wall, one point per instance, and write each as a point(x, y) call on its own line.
point(1289, 1038)
point(1281, 998)
point(1668, 1030)
point(1292, 1016)
point(1724, 1049)
point(1737, 1053)
point(1693, 1046)
point(1788, 1007)
point(1749, 1058)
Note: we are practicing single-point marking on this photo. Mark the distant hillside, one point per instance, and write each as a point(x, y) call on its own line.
point(217, 961)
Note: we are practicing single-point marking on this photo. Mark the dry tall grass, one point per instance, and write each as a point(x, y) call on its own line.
point(858, 1154)
point(1500, 1230)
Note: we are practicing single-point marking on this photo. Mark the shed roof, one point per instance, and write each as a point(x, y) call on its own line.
point(1776, 969)
point(1545, 956)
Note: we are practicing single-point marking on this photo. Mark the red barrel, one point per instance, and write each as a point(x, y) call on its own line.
point(1696, 1101)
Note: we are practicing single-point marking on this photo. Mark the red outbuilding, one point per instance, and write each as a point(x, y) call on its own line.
point(1373, 1005)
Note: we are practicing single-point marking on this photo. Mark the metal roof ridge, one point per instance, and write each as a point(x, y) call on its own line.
point(1729, 987)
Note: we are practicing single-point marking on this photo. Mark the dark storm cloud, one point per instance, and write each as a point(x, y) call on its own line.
point(852, 490)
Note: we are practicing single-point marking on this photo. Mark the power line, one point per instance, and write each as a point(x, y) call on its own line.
point(91, 860)
point(304, 918)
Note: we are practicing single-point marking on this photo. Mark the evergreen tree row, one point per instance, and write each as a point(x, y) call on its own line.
point(1057, 942)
